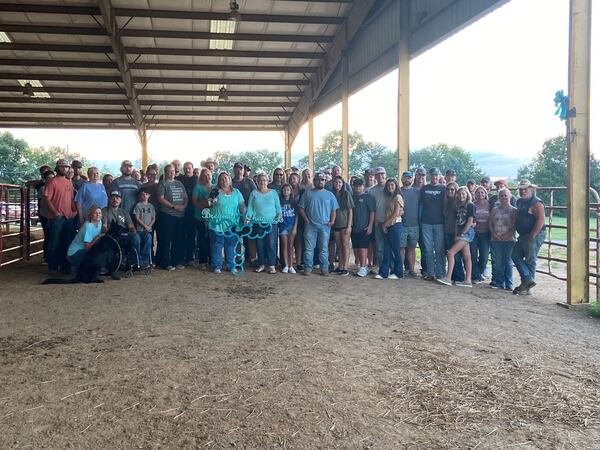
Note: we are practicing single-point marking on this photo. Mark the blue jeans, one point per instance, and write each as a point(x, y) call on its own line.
point(435, 256)
point(170, 249)
point(480, 252)
point(76, 258)
point(267, 246)
point(217, 244)
point(202, 241)
point(391, 252)
point(60, 234)
point(190, 235)
point(524, 255)
point(502, 264)
point(458, 273)
point(316, 237)
point(145, 251)
point(379, 242)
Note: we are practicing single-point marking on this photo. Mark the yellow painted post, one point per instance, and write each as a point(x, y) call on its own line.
point(311, 142)
point(144, 144)
point(578, 139)
point(345, 136)
point(287, 157)
point(403, 88)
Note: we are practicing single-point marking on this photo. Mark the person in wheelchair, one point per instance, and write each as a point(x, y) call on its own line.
point(128, 238)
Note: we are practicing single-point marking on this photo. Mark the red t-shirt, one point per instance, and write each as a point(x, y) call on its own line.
point(59, 192)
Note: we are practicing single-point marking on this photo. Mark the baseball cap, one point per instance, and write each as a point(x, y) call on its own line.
point(358, 182)
point(62, 162)
point(499, 182)
point(451, 172)
point(238, 164)
point(434, 171)
point(115, 194)
point(369, 172)
point(247, 168)
point(320, 175)
point(76, 163)
point(485, 180)
point(471, 181)
point(408, 173)
point(126, 162)
point(379, 170)
point(421, 171)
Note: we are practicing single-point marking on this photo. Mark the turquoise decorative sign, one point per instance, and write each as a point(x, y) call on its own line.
point(251, 228)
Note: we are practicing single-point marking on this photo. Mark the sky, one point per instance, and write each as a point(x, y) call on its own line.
point(488, 88)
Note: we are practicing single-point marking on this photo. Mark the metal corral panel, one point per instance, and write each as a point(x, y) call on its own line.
point(374, 51)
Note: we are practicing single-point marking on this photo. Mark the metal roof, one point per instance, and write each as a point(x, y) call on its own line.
point(158, 64)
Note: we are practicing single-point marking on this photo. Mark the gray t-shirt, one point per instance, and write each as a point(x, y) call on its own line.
point(173, 192)
point(129, 191)
point(378, 195)
point(245, 186)
point(364, 205)
point(145, 212)
point(118, 215)
point(412, 197)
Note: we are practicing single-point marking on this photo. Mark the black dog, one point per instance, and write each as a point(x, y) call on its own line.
point(104, 254)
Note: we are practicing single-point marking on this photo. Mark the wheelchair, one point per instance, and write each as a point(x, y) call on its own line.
point(126, 258)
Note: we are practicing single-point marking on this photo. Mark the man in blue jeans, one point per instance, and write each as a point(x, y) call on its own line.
point(317, 208)
point(58, 199)
point(432, 226)
point(531, 226)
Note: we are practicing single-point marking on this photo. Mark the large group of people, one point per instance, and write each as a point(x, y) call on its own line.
point(301, 222)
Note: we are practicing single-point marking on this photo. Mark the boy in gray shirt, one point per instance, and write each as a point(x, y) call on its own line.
point(144, 216)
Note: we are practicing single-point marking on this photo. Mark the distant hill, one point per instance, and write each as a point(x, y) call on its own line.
point(497, 165)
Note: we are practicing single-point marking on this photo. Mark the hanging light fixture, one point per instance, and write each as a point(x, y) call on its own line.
point(234, 13)
point(28, 90)
point(223, 95)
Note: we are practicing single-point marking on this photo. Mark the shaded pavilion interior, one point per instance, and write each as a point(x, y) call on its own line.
point(246, 65)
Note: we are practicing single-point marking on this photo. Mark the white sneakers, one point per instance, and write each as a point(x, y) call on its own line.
point(362, 272)
point(292, 270)
point(259, 269)
point(285, 270)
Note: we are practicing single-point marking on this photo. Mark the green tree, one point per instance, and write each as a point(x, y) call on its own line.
point(15, 167)
point(444, 157)
point(363, 154)
point(259, 160)
point(20, 163)
point(549, 169)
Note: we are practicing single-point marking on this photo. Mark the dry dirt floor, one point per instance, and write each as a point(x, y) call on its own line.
point(188, 359)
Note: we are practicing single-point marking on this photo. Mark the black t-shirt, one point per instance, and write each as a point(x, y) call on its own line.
point(463, 212)
point(432, 201)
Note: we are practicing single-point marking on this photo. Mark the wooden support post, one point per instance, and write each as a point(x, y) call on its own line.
point(578, 139)
point(287, 156)
point(311, 142)
point(345, 136)
point(403, 88)
point(144, 144)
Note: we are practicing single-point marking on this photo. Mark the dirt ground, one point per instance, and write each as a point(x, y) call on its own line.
point(188, 359)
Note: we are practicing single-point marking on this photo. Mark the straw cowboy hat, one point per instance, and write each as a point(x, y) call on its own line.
point(524, 184)
point(210, 160)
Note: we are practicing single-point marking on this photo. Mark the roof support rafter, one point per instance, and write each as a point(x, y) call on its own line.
point(153, 80)
point(158, 51)
point(156, 66)
point(356, 17)
point(167, 14)
point(146, 91)
point(167, 34)
point(112, 28)
point(155, 112)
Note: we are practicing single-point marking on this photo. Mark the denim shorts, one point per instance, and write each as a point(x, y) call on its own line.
point(468, 236)
point(285, 230)
point(409, 237)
